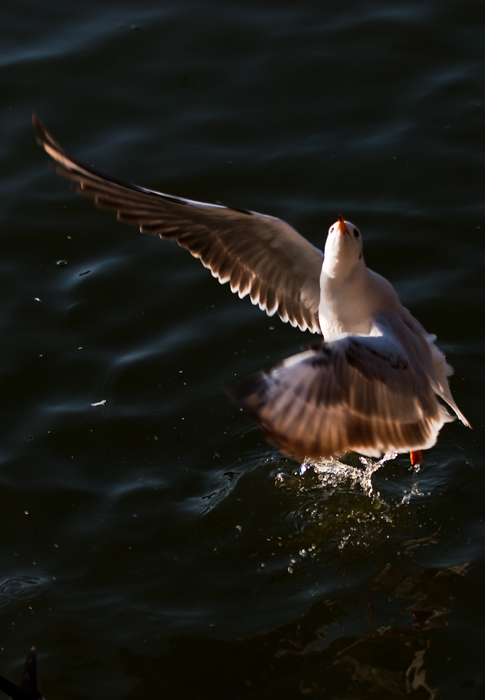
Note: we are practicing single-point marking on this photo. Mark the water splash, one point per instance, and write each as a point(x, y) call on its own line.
point(332, 471)
point(406, 499)
point(335, 504)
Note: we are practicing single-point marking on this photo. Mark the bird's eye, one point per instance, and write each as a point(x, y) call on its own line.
point(356, 233)
point(331, 229)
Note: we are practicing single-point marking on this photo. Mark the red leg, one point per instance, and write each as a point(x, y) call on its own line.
point(416, 458)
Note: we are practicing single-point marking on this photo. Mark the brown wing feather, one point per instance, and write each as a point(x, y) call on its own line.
point(358, 393)
point(257, 254)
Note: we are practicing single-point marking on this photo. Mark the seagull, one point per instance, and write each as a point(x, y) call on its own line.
point(371, 385)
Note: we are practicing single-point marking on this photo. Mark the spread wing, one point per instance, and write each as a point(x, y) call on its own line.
point(370, 394)
point(260, 256)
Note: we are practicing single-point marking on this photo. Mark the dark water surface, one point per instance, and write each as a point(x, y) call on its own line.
point(154, 546)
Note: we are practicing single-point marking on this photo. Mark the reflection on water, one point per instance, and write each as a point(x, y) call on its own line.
point(386, 661)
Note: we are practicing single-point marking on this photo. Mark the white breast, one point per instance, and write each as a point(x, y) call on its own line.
point(349, 305)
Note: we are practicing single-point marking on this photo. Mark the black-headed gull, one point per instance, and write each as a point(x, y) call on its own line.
point(371, 386)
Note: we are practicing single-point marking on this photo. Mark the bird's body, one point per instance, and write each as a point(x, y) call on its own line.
point(371, 385)
point(348, 303)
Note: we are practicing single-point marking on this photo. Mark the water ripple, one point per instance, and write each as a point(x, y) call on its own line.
point(18, 587)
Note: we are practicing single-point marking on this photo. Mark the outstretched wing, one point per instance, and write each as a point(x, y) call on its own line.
point(362, 393)
point(257, 254)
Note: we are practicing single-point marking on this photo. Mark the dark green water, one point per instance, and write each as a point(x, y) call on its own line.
point(154, 546)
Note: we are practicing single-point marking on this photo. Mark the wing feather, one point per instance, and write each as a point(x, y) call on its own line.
point(361, 393)
point(257, 254)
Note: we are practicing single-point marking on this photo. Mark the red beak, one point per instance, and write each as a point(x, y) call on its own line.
point(341, 224)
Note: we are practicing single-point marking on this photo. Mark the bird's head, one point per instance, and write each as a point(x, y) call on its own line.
point(343, 248)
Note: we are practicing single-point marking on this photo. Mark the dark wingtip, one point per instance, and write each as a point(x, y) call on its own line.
point(44, 138)
point(42, 134)
point(249, 394)
point(241, 389)
point(37, 124)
